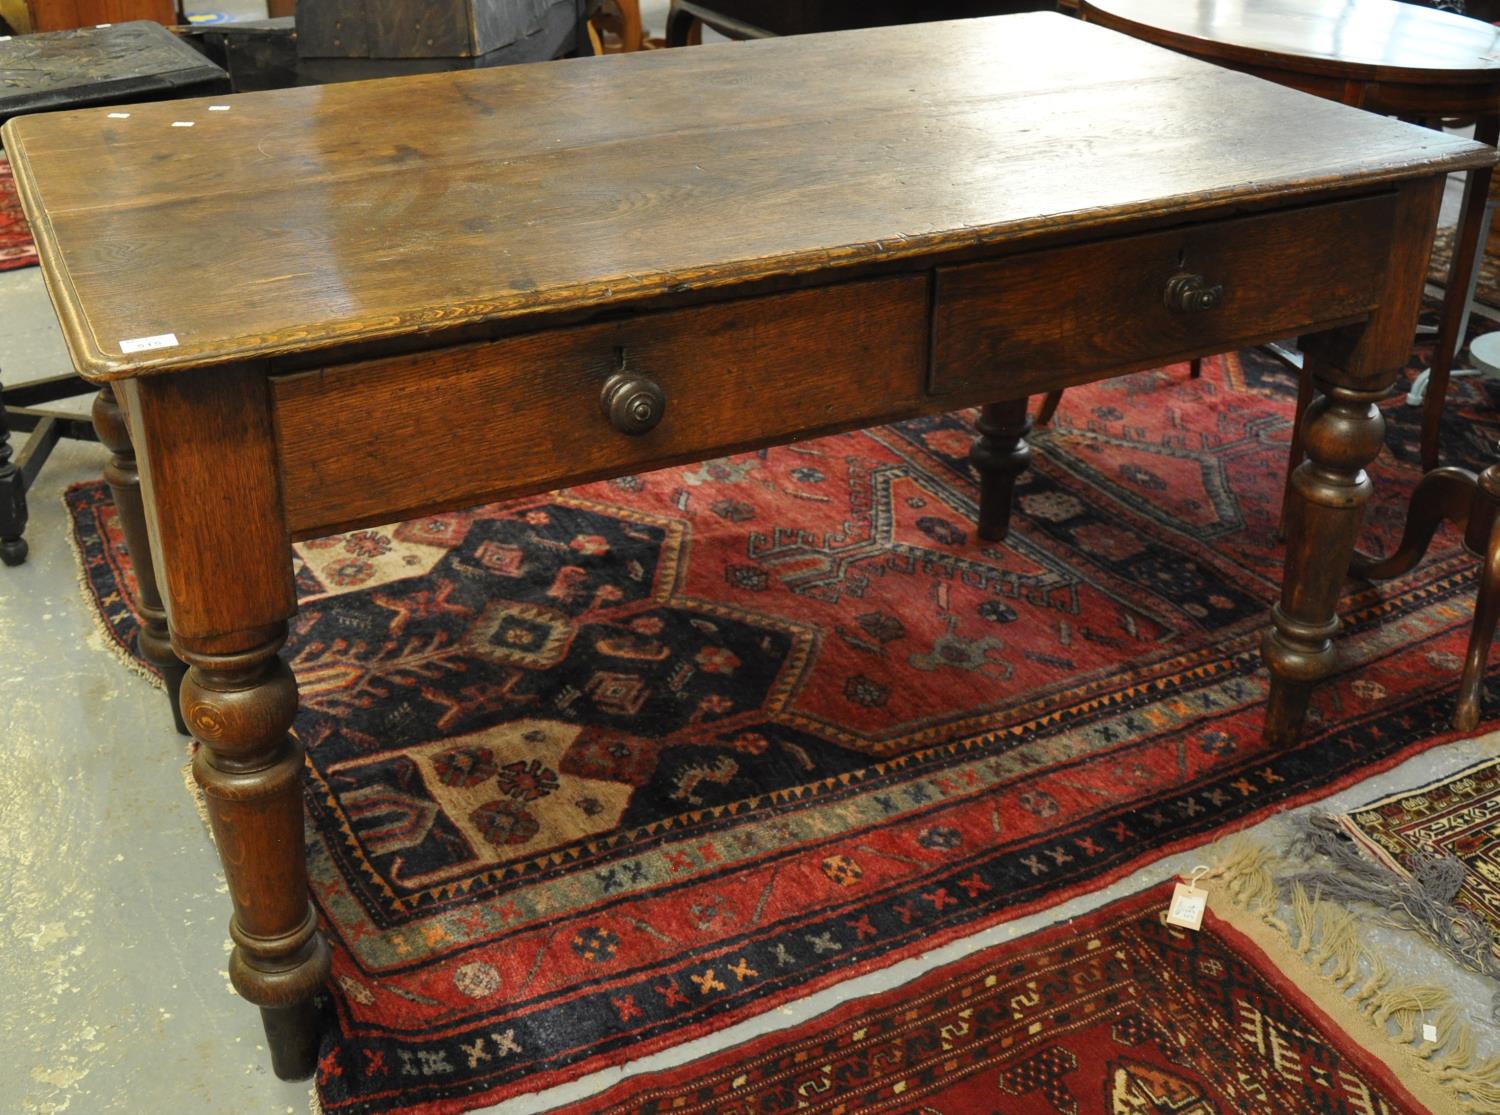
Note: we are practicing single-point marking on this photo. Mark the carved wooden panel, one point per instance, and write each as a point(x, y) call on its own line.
point(101, 65)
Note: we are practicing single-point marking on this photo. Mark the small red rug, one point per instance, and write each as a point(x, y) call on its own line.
point(1459, 815)
point(599, 771)
point(16, 246)
point(1114, 1013)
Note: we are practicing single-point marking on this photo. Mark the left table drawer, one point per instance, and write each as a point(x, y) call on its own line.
point(384, 439)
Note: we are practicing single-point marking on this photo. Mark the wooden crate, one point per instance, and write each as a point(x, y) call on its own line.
point(416, 28)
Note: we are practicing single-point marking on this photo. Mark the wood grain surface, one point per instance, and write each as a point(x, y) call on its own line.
point(312, 217)
point(522, 414)
point(60, 15)
point(1382, 39)
point(1030, 321)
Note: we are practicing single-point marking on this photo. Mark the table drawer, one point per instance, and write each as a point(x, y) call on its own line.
point(368, 442)
point(1040, 320)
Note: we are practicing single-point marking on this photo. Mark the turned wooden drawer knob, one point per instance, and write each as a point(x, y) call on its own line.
point(1188, 293)
point(632, 403)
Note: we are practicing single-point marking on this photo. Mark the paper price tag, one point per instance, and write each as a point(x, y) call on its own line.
point(146, 344)
point(1429, 1032)
point(1188, 906)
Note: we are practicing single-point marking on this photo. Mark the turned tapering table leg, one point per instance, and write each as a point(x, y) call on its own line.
point(240, 707)
point(1342, 433)
point(124, 482)
point(206, 449)
point(1001, 455)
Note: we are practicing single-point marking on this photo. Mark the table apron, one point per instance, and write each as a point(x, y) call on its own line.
point(1037, 321)
point(380, 440)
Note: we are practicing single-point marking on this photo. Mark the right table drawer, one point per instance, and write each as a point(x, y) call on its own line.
point(1040, 320)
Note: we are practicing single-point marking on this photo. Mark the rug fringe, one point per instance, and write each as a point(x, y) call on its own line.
point(1331, 865)
point(1361, 991)
point(123, 654)
point(91, 605)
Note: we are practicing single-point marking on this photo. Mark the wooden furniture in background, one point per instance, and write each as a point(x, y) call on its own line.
point(1470, 502)
point(615, 27)
point(762, 19)
point(64, 15)
point(411, 29)
point(345, 325)
point(278, 9)
point(262, 54)
point(1380, 55)
point(93, 66)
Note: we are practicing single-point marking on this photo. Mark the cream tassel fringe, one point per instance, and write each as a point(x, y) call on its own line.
point(1361, 989)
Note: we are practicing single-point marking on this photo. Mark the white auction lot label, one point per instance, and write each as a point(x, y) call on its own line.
point(146, 344)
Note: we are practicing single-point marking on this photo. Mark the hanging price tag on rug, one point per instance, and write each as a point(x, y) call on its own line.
point(1188, 902)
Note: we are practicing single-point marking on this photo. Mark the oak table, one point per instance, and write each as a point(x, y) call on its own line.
point(443, 290)
point(1383, 56)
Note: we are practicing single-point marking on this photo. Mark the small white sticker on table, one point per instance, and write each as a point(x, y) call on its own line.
point(146, 344)
point(182, 123)
point(218, 108)
point(119, 116)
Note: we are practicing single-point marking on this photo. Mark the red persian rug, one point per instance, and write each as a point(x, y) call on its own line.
point(599, 771)
point(1115, 1013)
point(16, 247)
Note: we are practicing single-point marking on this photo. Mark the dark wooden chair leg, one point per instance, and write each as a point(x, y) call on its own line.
point(1342, 433)
point(1001, 454)
point(1443, 494)
point(1486, 615)
point(1466, 248)
point(1048, 408)
point(683, 29)
point(12, 498)
point(124, 481)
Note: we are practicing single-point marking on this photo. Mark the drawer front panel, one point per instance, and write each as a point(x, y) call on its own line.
point(461, 425)
point(1040, 320)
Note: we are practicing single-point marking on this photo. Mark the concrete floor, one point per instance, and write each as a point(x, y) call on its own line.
point(112, 904)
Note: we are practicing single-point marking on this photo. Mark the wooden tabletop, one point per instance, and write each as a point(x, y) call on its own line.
point(310, 217)
point(1368, 39)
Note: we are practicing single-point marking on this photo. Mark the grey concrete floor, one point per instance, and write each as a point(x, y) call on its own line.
point(113, 992)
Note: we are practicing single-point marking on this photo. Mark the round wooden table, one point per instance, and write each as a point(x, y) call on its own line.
point(1388, 57)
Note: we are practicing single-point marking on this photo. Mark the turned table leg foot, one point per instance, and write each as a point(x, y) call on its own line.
point(240, 707)
point(1001, 455)
point(1343, 432)
point(123, 478)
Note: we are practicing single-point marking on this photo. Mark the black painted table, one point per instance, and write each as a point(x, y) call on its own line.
point(121, 64)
